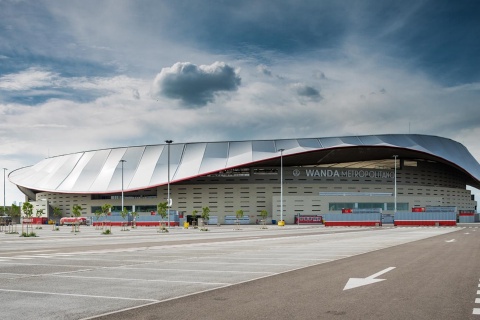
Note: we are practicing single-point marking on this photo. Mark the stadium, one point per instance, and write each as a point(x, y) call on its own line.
point(285, 177)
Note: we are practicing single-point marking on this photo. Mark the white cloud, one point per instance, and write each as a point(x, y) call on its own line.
point(27, 79)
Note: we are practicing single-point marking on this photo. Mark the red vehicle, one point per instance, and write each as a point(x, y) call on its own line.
point(308, 219)
point(68, 221)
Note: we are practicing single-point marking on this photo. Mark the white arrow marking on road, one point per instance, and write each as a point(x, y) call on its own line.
point(453, 240)
point(358, 282)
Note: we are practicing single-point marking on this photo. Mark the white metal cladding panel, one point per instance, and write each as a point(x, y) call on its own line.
point(452, 151)
point(309, 143)
point(340, 142)
point(133, 156)
point(63, 166)
point(47, 171)
point(38, 173)
point(402, 141)
point(424, 145)
point(90, 171)
point(72, 178)
point(106, 174)
point(442, 147)
point(176, 156)
point(146, 167)
point(93, 169)
point(191, 161)
point(263, 150)
point(215, 157)
point(290, 147)
point(239, 153)
point(373, 141)
point(160, 174)
point(29, 176)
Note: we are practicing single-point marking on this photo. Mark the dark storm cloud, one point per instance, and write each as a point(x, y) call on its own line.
point(305, 91)
point(439, 37)
point(196, 85)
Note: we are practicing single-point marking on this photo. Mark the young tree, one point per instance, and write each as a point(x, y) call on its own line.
point(106, 211)
point(98, 214)
point(124, 214)
point(205, 217)
point(194, 218)
point(57, 213)
point(162, 209)
point(39, 214)
point(77, 212)
point(263, 215)
point(239, 215)
point(27, 208)
point(134, 217)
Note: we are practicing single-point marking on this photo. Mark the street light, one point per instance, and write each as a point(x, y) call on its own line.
point(395, 190)
point(281, 183)
point(168, 142)
point(4, 169)
point(122, 161)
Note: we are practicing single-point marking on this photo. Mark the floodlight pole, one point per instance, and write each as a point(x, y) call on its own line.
point(281, 183)
point(122, 161)
point(168, 142)
point(395, 190)
point(4, 169)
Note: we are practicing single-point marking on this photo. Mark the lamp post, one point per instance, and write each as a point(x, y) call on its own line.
point(395, 188)
point(281, 184)
point(4, 169)
point(168, 142)
point(122, 161)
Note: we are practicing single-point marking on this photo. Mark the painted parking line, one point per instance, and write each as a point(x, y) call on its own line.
point(215, 284)
point(477, 300)
point(77, 295)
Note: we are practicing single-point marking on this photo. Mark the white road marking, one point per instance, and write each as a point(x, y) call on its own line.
point(77, 295)
point(196, 270)
point(358, 282)
point(476, 310)
point(146, 280)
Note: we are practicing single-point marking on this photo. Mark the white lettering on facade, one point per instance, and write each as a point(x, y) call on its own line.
point(329, 173)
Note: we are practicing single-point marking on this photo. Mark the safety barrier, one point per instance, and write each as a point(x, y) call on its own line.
point(351, 220)
point(425, 219)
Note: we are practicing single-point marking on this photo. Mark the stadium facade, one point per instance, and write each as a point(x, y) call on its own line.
point(312, 176)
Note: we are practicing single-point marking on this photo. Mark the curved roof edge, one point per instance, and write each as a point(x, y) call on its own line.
point(100, 171)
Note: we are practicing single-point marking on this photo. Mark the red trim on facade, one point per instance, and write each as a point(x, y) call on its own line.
point(351, 223)
point(425, 222)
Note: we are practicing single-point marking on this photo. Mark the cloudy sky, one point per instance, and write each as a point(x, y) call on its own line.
point(91, 74)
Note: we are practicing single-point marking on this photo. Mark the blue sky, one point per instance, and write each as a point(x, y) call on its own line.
point(81, 75)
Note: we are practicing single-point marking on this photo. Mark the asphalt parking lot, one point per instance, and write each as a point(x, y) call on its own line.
point(129, 274)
